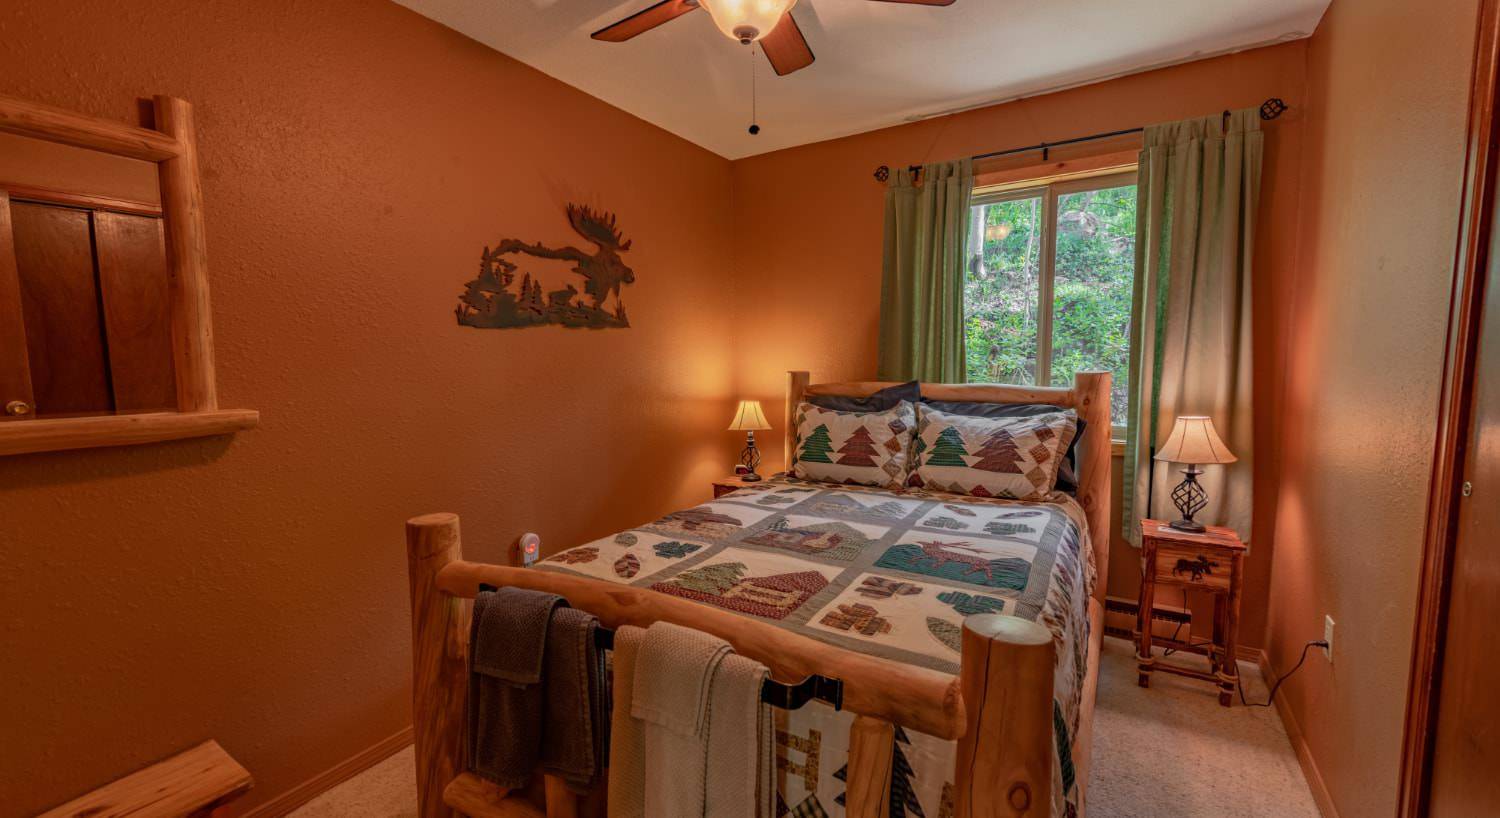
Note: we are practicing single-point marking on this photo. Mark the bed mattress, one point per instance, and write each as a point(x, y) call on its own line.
point(883, 572)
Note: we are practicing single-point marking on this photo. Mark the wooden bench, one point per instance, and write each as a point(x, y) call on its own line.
point(191, 784)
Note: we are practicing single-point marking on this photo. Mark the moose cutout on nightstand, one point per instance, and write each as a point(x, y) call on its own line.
point(488, 302)
point(1196, 569)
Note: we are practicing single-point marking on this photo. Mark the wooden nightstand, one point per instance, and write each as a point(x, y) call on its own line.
point(1212, 562)
point(733, 483)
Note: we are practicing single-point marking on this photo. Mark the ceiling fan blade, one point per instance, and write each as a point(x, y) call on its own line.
point(786, 48)
point(920, 2)
point(645, 20)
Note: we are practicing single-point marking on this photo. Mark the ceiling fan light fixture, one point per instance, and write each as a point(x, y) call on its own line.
point(747, 20)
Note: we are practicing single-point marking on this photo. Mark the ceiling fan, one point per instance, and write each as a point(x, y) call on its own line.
point(767, 21)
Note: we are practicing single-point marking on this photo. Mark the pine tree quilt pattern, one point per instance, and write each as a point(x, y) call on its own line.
point(890, 573)
point(1015, 458)
point(853, 448)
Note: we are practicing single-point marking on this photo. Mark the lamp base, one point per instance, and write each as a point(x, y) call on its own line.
point(1190, 498)
point(749, 459)
point(1190, 526)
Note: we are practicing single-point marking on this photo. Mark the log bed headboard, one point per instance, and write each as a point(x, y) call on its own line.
point(1088, 396)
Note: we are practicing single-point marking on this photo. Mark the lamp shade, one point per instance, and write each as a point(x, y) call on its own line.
point(749, 418)
point(746, 20)
point(1193, 440)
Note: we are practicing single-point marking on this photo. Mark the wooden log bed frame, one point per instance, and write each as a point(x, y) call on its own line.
point(998, 707)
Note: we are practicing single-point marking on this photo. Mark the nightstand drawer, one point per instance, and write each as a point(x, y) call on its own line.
point(1200, 567)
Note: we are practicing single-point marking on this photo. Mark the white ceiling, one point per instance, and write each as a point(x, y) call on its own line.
point(878, 64)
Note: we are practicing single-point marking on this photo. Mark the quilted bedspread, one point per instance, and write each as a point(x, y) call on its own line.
point(888, 573)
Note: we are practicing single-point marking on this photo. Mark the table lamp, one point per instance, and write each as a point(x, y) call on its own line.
point(749, 419)
point(1193, 441)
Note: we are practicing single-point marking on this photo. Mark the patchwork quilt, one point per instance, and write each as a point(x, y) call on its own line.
point(886, 572)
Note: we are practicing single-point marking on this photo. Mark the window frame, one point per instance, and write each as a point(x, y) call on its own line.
point(1049, 189)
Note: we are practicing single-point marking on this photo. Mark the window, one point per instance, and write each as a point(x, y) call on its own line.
point(1050, 282)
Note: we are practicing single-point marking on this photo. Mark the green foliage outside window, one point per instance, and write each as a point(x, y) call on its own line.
point(1093, 279)
point(1000, 293)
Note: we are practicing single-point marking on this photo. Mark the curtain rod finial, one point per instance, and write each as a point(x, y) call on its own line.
point(882, 173)
point(1272, 108)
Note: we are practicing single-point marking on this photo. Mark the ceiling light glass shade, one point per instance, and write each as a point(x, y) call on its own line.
point(997, 232)
point(746, 20)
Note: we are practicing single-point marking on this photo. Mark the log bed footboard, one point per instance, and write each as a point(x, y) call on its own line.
point(998, 707)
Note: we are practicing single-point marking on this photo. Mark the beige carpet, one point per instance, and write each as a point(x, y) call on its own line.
point(386, 790)
point(1171, 750)
point(1158, 753)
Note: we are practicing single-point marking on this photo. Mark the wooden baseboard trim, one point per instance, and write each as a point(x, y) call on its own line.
point(1299, 743)
point(333, 776)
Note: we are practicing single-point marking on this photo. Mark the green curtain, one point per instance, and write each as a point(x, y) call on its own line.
point(1198, 190)
point(922, 289)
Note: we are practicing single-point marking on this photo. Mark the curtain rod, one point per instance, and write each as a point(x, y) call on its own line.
point(1269, 110)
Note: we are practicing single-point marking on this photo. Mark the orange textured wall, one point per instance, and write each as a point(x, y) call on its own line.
point(809, 222)
point(356, 158)
point(1382, 184)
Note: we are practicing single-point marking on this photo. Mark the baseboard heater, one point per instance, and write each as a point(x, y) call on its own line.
point(1120, 615)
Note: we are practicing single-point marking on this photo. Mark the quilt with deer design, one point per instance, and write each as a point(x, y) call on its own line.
point(890, 573)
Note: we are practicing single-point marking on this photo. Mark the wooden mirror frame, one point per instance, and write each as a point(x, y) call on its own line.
point(173, 147)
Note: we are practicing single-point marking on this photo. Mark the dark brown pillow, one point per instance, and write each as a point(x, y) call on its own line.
point(887, 398)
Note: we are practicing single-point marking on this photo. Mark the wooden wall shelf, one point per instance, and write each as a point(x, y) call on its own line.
point(58, 434)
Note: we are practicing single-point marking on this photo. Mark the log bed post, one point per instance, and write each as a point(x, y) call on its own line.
point(1004, 763)
point(440, 634)
point(872, 745)
point(796, 385)
point(1091, 400)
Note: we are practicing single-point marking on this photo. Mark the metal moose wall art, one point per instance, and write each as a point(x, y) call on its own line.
point(489, 302)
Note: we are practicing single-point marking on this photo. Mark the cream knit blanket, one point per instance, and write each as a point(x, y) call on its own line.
point(690, 735)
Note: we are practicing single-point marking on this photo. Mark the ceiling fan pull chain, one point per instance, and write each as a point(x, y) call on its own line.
point(754, 114)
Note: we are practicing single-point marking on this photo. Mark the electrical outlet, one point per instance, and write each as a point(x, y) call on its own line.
point(1328, 637)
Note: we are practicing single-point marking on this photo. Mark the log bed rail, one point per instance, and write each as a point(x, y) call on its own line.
point(998, 707)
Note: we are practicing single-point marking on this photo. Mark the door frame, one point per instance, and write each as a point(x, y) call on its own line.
point(1471, 263)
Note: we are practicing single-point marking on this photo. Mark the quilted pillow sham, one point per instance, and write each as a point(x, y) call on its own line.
point(854, 448)
point(1067, 474)
point(1013, 457)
